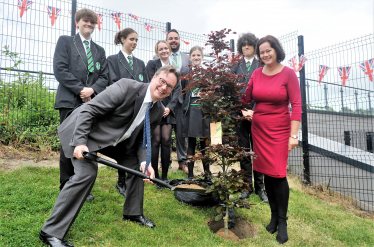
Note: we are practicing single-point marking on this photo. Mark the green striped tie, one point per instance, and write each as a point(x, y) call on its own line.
point(248, 66)
point(89, 57)
point(130, 62)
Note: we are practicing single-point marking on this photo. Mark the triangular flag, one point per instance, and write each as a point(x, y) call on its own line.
point(322, 72)
point(53, 13)
point(23, 5)
point(368, 68)
point(116, 17)
point(99, 21)
point(344, 73)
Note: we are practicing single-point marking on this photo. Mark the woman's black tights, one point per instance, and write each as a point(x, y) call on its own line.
point(191, 151)
point(278, 192)
point(161, 136)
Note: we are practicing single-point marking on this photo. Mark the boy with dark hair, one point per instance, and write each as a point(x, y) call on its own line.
point(246, 46)
point(80, 67)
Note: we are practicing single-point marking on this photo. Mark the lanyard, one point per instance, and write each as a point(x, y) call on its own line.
point(176, 63)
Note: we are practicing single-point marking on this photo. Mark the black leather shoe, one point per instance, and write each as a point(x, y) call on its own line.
point(245, 194)
point(263, 196)
point(90, 197)
point(140, 219)
point(53, 241)
point(121, 187)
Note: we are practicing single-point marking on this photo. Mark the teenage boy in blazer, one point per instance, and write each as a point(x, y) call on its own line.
point(80, 67)
point(246, 46)
point(112, 124)
point(125, 65)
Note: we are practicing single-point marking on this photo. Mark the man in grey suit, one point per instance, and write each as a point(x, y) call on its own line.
point(181, 61)
point(112, 124)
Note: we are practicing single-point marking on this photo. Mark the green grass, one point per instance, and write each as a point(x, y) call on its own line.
point(27, 196)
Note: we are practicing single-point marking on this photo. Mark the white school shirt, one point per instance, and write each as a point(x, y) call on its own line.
point(126, 56)
point(83, 39)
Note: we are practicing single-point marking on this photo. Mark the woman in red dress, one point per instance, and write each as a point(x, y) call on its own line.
point(274, 129)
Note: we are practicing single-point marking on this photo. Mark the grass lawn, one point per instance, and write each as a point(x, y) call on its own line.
point(27, 196)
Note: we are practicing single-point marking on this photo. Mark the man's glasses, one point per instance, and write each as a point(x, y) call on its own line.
point(163, 82)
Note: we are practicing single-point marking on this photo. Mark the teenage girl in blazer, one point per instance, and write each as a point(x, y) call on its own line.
point(125, 65)
point(162, 135)
point(195, 126)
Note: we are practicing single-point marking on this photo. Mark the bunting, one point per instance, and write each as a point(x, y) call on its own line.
point(76, 26)
point(322, 72)
point(24, 5)
point(99, 21)
point(166, 33)
point(133, 16)
point(344, 73)
point(187, 43)
point(116, 17)
point(368, 68)
point(53, 13)
point(148, 27)
point(293, 63)
point(302, 62)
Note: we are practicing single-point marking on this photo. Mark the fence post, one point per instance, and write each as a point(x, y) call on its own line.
point(341, 90)
point(168, 26)
point(327, 103)
point(232, 46)
point(356, 94)
point(73, 11)
point(369, 104)
point(304, 115)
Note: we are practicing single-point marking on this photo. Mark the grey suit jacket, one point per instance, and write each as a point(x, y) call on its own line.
point(102, 121)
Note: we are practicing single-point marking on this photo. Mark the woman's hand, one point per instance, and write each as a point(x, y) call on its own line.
point(292, 143)
point(248, 113)
point(166, 112)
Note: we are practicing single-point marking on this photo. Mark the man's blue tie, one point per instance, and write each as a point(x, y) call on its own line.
point(147, 137)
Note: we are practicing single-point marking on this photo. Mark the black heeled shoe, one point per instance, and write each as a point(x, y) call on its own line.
point(282, 236)
point(273, 225)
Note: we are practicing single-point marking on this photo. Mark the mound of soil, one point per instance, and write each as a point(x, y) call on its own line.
point(242, 229)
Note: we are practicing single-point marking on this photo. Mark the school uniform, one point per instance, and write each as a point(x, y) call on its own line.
point(73, 70)
point(243, 130)
point(119, 68)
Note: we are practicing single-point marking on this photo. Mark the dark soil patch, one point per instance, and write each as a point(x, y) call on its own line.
point(242, 229)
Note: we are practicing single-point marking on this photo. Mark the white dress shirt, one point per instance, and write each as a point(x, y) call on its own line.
point(126, 56)
point(84, 39)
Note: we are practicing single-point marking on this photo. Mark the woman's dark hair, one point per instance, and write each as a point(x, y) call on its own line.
point(86, 14)
point(275, 44)
point(246, 39)
point(123, 34)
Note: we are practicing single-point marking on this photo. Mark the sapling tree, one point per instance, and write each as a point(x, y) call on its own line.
point(220, 97)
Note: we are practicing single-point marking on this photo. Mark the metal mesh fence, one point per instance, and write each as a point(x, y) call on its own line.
point(340, 123)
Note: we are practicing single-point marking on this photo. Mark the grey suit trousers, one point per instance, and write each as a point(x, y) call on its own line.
point(74, 193)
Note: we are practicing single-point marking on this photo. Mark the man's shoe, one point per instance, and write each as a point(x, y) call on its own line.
point(90, 197)
point(140, 219)
point(53, 241)
point(183, 167)
point(263, 196)
point(121, 187)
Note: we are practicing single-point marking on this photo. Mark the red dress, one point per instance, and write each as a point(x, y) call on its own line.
point(271, 122)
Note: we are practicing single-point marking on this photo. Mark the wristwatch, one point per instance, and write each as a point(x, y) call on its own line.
point(294, 136)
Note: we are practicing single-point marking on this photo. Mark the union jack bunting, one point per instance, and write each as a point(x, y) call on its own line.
point(229, 55)
point(293, 63)
point(133, 16)
point(368, 68)
point(344, 73)
point(303, 59)
point(202, 48)
point(23, 5)
point(116, 17)
point(148, 27)
point(164, 32)
point(322, 72)
point(187, 43)
point(53, 13)
point(99, 21)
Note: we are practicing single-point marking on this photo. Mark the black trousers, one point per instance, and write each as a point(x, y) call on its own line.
point(66, 167)
point(244, 133)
